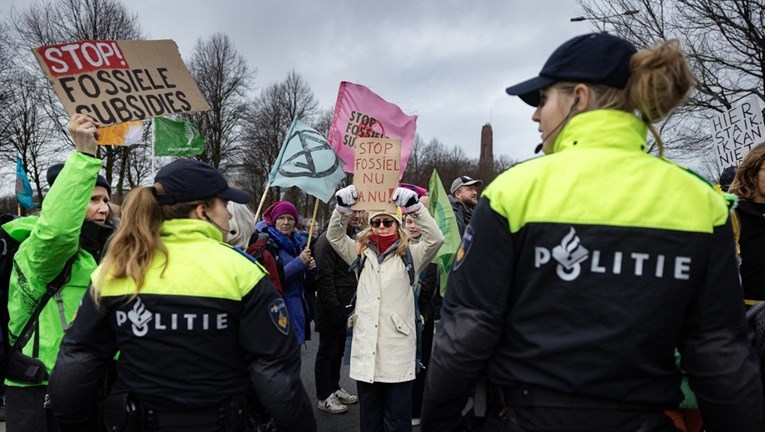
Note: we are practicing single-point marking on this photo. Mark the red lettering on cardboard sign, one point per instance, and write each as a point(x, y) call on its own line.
point(82, 56)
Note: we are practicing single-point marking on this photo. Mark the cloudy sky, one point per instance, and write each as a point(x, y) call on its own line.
point(448, 61)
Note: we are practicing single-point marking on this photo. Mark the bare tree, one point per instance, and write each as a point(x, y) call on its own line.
point(450, 162)
point(26, 132)
point(723, 40)
point(55, 21)
point(271, 114)
point(224, 79)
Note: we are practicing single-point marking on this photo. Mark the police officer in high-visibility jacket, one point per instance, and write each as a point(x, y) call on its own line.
point(582, 271)
point(198, 325)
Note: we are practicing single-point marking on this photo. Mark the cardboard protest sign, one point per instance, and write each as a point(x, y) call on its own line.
point(377, 167)
point(120, 81)
point(736, 131)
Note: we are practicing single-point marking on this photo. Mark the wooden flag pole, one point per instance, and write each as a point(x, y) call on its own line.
point(313, 222)
point(262, 200)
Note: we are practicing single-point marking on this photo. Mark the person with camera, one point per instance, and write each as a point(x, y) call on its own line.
point(67, 237)
point(197, 324)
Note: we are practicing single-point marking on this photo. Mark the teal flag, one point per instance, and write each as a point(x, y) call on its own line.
point(441, 209)
point(24, 194)
point(176, 138)
point(307, 161)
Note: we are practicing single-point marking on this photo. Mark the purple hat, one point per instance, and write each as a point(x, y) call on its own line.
point(279, 208)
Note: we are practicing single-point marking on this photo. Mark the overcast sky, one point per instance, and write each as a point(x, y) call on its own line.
point(447, 61)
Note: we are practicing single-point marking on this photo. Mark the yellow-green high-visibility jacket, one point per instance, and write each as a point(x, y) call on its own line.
point(208, 327)
point(583, 270)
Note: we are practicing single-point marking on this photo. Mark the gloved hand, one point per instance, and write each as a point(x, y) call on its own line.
point(406, 199)
point(346, 197)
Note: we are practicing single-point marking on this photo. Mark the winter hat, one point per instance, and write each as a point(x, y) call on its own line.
point(279, 208)
point(726, 178)
point(396, 215)
point(55, 170)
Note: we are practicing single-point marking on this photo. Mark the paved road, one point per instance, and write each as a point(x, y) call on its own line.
point(325, 422)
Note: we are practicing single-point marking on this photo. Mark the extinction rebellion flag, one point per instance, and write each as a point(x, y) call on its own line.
point(307, 161)
point(176, 138)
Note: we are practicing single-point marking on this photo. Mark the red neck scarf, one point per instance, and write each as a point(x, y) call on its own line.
point(383, 242)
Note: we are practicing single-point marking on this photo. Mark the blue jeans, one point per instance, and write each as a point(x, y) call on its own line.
point(385, 407)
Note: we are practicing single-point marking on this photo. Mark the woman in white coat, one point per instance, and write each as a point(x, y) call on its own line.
point(384, 336)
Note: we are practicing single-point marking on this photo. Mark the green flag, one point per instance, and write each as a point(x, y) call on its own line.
point(441, 209)
point(176, 138)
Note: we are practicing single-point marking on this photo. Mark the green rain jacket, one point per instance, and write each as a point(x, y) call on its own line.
point(47, 243)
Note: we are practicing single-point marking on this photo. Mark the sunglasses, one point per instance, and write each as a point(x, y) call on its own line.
point(387, 223)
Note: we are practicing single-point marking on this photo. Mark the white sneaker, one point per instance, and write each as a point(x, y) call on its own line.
point(345, 397)
point(415, 422)
point(332, 405)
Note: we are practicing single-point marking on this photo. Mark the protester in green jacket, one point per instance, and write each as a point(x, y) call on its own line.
point(71, 222)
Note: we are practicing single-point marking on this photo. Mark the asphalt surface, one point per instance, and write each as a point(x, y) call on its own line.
point(326, 422)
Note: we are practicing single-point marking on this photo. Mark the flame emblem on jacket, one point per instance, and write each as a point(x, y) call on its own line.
point(140, 318)
point(569, 254)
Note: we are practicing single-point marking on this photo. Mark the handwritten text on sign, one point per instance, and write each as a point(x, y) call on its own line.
point(120, 81)
point(376, 172)
point(736, 131)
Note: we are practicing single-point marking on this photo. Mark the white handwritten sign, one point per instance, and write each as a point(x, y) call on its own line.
point(736, 131)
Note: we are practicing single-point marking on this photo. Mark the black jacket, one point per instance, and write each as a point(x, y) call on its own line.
point(583, 279)
point(335, 287)
point(752, 243)
point(462, 213)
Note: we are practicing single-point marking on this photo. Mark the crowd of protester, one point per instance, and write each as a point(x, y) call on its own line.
point(582, 297)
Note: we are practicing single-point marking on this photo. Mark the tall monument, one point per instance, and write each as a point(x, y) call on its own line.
point(486, 161)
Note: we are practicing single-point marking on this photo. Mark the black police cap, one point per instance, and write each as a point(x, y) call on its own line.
point(185, 180)
point(595, 58)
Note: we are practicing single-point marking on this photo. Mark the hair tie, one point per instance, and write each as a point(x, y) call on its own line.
point(157, 190)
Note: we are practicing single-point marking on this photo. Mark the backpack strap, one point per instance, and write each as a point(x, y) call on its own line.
point(53, 288)
point(409, 264)
point(358, 264)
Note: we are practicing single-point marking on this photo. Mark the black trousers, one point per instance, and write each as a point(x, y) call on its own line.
point(329, 358)
point(538, 419)
point(25, 410)
point(385, 407)
point(419, 383)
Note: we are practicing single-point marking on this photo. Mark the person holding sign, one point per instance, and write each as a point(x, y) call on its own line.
point(749, 185)
point(384, 343)
point(197, 324)
point(63, 244)
point(582, 271)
